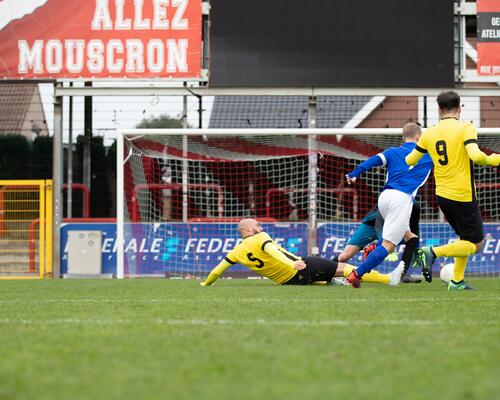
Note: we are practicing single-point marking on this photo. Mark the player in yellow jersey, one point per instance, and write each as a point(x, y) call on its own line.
point(258, 252)
point(452, 145)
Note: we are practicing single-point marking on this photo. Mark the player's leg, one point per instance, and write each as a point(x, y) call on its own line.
point(319, 269)
point(348, 253)
point(344, 270)
point(411, 242)
point(465, 219)
point(363, 235)
point(457, 282)
point(411, 245)
point(323, 270)
point(395, 208)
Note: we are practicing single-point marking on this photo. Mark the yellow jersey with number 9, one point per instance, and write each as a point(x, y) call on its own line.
point(453, 169)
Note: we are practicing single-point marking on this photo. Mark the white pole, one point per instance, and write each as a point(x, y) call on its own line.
point(185, 163)
point(57, 182)
point(70, 159)
point(120, 204)
point(313, 179)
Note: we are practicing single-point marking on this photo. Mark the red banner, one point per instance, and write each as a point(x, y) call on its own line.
point(100, 39)
point(488, 37)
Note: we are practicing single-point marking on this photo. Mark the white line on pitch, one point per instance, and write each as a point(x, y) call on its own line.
point(256, 322)
point(254, 300)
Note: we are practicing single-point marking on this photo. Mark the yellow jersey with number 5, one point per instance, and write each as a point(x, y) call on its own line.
point(453, 169)
point(252, 253)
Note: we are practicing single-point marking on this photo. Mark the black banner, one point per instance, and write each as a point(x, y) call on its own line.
point(331, 43)
point(488, 27)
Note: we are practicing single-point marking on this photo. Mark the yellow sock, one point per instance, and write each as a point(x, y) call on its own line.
point(459, 269)
point(369, 277)
point(376, 277)
point(347, 270)
point(459, 248)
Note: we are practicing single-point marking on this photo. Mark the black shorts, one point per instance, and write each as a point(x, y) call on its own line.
point(464, 218)
point(317, 269)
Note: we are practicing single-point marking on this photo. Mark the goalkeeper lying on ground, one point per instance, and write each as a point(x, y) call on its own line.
point(258, 252)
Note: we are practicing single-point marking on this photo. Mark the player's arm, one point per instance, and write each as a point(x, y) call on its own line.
point(417, 153)
point(273, 250)
point(475, 154)
point(375, 161)
point(480, 158)
point(215, 274)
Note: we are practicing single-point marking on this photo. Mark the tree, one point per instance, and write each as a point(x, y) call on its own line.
point(41, 159)
point(100, 199)
point(15, 157)
point(162, 121)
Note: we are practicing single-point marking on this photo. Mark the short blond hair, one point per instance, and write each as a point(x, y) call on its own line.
point(410, 130)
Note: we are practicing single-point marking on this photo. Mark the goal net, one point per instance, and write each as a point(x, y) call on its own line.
point(181, 194)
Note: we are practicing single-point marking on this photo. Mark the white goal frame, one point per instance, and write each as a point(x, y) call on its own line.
point(310, 132)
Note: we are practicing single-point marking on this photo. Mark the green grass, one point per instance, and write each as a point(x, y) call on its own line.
point(171, 339)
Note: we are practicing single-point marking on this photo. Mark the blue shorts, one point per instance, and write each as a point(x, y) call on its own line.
point(363, 236)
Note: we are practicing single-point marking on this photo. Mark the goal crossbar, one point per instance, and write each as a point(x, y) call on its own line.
point(279, 131)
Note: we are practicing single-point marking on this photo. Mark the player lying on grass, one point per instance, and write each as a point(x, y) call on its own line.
point(396, 200)
point(258, 252)
point(370, 230)
point(452, 145)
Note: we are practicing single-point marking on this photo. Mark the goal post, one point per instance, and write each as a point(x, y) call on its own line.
point(181, 192)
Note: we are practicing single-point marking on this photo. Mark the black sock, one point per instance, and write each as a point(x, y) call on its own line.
point(432, 252)
point(410, 247)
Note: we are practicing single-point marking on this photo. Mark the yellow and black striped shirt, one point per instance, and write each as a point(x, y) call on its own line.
point(260, 254)
point(452, 145)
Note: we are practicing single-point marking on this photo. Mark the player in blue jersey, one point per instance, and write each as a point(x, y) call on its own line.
point(396, 200)
point(370, 231)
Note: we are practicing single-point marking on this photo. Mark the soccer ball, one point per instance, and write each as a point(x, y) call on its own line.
point(446, 272)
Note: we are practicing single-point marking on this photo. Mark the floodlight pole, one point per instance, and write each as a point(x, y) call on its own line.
point(425, 111)
point(313, 178)
point(57, 182)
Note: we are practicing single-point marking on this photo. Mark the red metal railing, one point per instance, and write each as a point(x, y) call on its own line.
point(175, 186)
point(74, 186)
point(487, 185)
point(340, 191)
point(86, 196)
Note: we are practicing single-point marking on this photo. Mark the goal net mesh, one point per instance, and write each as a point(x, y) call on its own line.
point(185, 195)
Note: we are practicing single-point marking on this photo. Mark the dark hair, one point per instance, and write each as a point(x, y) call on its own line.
point(448, 101)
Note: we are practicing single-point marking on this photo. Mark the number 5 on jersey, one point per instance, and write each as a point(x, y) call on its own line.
point(251, 257)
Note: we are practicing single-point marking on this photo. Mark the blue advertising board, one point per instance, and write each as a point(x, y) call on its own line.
point(153, 249)
point(157, 249)
point(332, 238)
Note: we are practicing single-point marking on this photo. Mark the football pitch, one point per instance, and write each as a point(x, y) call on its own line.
point(247, 339)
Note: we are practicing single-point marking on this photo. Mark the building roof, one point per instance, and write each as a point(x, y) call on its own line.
point(21, 111)
point(283, 111)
